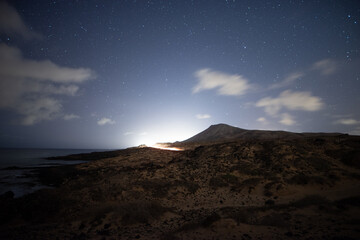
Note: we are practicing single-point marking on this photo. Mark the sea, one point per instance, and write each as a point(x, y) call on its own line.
point(18, 167)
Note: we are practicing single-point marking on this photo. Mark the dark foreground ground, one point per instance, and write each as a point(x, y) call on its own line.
point(261, 189)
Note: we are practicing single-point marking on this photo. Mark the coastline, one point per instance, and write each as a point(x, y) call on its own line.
point(19, 168)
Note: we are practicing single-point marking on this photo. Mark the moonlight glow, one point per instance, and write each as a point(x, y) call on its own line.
point(163, 136)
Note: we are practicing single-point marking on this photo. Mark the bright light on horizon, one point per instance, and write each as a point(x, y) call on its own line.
point(164, 147)
point(164, 136)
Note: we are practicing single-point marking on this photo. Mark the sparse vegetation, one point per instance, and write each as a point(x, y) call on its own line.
point(227, 186)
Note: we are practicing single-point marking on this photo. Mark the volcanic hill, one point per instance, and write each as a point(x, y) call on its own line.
point(227, 183)
point(221, 132)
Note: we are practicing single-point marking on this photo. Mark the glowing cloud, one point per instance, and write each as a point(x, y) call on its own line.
point(226, 84)
point(292, 101)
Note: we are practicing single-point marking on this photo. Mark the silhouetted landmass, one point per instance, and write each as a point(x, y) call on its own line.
point(221, 132)
point(87, 156)
point(292, 186)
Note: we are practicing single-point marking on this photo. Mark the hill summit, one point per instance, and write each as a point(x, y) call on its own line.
point(223, 132)
point(217, 132)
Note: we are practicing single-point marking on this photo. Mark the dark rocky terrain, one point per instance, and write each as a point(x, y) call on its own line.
point(228, 183)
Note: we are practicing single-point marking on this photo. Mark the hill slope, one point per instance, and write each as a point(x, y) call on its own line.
point(222, 132)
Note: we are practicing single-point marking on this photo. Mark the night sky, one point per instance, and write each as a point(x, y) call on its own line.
point(114, 74)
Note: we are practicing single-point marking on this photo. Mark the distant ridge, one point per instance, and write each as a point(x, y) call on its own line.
point(220, 132)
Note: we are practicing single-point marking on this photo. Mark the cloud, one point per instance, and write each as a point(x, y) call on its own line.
point(226, 84)
point(12, 24)
point(202, 116)
point(347, 121)
point(262, 120)
point(68, 117)
point(292, 101)
point(12, 64)
point(325, 66)
point(34, 89)
point(105, 121)
point(287, 119)
point(288, 80)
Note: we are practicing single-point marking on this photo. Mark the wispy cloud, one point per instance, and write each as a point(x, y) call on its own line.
point(347, 121)
point(33, 88)
point(68, 117)
point(287, 119)
point(292, 101)
point(104, 121)
point(288, 80)
point(325, 66)
point(202, 116)
point(233, 85)
point(12, 24)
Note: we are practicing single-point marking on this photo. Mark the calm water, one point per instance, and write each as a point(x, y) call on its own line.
point(17, 167)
